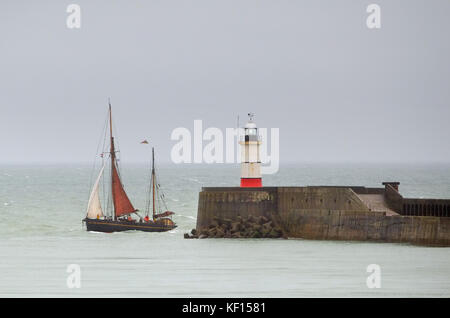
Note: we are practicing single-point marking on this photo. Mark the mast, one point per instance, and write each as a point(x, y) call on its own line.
point(121, 202)
point(113, 154)
point(153, 180)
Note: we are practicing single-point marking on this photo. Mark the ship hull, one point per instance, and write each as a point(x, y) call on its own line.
point(109, 226)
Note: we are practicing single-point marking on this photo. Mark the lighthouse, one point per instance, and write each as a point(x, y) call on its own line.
point(250, 159)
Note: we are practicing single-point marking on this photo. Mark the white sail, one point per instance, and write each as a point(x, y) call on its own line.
point(94, 209)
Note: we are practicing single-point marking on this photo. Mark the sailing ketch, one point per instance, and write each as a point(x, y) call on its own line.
point(120, 218)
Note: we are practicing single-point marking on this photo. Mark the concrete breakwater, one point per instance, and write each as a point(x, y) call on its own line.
point(331, 213)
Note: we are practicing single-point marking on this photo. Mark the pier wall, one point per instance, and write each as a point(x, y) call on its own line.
point(367, 226)
point(326, 213)
point(313, 198)
point(426, 207)
point(394, 199)
point(228, 203)
point(416, 207)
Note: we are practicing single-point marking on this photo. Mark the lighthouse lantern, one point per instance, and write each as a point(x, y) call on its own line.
point(250, 160)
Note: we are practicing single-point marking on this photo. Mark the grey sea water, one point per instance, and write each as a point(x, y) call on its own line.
point(41, 233)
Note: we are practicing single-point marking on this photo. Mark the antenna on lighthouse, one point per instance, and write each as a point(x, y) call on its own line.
point(250, 116)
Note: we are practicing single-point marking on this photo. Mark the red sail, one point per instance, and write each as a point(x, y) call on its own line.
point(122, 204)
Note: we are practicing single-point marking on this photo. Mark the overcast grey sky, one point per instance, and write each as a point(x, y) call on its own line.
point(337, 90)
